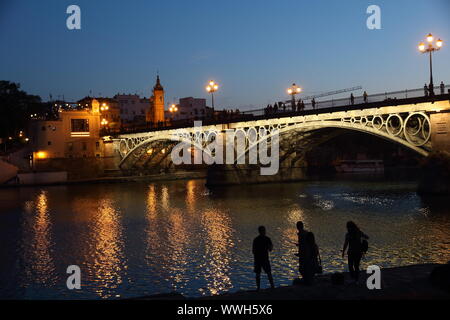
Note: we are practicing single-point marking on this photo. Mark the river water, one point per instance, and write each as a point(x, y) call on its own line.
point(136, 239)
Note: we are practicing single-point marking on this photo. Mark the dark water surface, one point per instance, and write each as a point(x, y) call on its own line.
point(145, 238)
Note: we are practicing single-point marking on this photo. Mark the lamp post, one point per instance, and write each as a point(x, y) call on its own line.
point(104, 107)
point(430, 48)
point(293, 90)
point(173, 108)
point(211, 88)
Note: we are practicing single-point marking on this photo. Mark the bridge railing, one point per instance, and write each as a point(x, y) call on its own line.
point(374, 100)
point(342, 102)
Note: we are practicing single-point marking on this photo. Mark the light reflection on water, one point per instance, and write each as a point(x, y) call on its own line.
point(145, 238)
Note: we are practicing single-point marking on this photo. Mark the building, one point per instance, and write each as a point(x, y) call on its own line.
point(155, 114)
point(76, 134)
point(108, 108)
point(190, 108)
point(132, 108)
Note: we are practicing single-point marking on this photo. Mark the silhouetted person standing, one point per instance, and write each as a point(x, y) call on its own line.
point(365, 95)
point(313, 102)
point(425, 89)
point(262, 245)
point(310, 258)
point(352, 99)
point(442, 86)
point(301, 235)
point(353, 240)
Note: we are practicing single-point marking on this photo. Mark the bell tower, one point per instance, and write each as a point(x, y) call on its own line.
point(156, 112)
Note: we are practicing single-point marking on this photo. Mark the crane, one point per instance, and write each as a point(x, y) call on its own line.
point(329, 93)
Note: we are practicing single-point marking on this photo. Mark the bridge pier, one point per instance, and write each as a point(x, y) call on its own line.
point(440, 131)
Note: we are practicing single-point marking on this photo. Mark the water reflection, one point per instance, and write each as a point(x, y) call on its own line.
point(38, 245)
point(191, 191)
point(219, 243)
point(137, 239)
point(108, 261)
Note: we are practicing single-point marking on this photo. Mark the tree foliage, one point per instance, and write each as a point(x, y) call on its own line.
point(16, 106)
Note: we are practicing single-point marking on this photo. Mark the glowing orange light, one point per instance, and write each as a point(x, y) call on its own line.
point(41, 154)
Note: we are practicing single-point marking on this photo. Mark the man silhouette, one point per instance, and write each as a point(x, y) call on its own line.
point(302, 232)
point(262, 245)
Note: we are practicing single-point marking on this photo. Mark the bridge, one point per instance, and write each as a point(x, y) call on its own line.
point(407, 118)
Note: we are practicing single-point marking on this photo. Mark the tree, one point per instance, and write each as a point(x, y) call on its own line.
point(16, 106)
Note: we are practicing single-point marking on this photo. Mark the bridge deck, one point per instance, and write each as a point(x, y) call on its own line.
point(260, 113)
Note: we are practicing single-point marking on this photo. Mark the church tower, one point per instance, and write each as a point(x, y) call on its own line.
point(156, 112)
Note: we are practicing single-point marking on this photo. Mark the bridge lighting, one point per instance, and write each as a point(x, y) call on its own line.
point(163, 151)
point(293, 91)
point(211, 88)
point(104, 122)
point(430, 49)
point(150, 151)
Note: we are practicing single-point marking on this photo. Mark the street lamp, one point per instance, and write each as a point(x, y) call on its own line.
point(425, 48)
point(211, 88)
point(293, 91)
point(104, 107)
point(104, 122)
point(173, 108)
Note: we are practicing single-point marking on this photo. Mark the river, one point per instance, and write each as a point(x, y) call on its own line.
point(143, 238)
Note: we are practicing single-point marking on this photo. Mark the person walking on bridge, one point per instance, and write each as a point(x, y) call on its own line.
point(442, 86)
point(352, 99)
point(313, 103)
point(365, 96)
point(425, 89)
point(262, 245)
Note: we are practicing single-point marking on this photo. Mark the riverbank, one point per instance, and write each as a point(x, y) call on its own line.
point(398, 283)
point(120, 179)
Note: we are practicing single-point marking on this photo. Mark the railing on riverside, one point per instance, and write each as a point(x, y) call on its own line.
point(342, 104)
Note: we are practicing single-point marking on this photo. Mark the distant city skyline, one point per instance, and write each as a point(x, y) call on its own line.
point(253, 49)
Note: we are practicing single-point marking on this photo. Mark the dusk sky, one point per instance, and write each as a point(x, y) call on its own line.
point(253, 49)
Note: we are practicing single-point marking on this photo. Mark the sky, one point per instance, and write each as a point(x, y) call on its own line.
point(253, 49)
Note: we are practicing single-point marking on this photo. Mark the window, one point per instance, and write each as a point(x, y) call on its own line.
point(97, 145)
point(84, 146)
point(49, 143)
point(70, 144)
point(80, 125)
point(43, 128)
